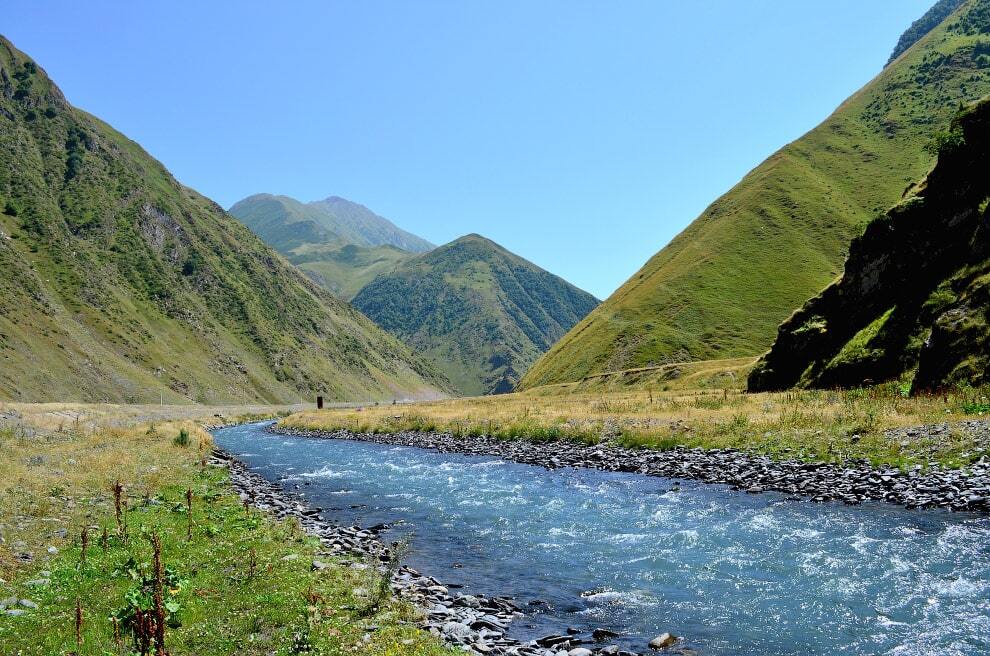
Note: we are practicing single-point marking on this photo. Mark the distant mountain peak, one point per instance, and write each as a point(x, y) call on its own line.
point(481, 313)
point(347, 221)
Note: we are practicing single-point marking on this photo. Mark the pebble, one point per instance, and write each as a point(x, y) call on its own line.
point(474, 623)
point(852, 482)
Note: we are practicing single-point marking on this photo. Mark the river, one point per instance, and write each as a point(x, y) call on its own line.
point(733, 573)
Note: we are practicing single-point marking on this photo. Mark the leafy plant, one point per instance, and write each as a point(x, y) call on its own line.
point(182, 439)
point(138, 615)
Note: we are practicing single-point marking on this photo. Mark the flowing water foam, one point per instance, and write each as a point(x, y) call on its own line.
point(734, 573)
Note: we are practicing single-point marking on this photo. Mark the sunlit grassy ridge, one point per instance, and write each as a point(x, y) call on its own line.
point(480, 313)
point(339, 244)
point(814, 425)
point(234, 589)
point(721, 287)
point(913, 299)
point(118, 283)
point(348, 269)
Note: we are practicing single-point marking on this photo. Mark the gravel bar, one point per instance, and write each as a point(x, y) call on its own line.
point(853, 482)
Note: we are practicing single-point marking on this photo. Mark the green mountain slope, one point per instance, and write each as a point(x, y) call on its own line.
point(482, 314)
point(339, 244)
point(347, 269)
point(915, 295)
point(723, 285)
point(120, 284)
point(919, 28)
point(356, 224)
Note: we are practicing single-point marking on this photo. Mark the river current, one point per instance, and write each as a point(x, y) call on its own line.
point(733, 573)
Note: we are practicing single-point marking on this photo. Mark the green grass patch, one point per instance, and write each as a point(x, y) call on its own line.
point(236, 581)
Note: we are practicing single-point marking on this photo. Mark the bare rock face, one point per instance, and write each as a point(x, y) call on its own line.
point(915, 293)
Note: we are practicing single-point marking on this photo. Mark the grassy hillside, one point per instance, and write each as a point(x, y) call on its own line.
point(722, 286)
point(480, 313)
point(914, 299)
point(240, 581)
point(121, 284)
point(347, 269)
point(339, 244)
point(919, 28)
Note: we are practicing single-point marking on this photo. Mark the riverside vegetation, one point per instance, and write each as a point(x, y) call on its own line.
point(883, 424)
point(73, 578)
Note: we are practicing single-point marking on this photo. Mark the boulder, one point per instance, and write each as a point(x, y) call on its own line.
point(663, 641)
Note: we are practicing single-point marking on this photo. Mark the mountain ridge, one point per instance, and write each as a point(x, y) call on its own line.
point(339, 244)
point(722, 286)
point(914, 299)
point(339, 219)
point(481, 313)
point(121, 284)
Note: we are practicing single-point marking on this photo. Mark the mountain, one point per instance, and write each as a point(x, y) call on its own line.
point(285, 223)
point(358, 225)
point(914, 299)
point(724, 284)
point(919, 28)
point(345, 270)
point(482, 314)
point(339, 244)
point(120, 284)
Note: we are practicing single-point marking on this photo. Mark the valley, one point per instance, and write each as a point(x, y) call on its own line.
point(298, 427)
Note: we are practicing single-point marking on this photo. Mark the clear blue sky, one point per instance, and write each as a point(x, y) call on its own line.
point(581, 135)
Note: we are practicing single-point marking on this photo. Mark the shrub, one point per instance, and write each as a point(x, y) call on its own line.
point(182, 439)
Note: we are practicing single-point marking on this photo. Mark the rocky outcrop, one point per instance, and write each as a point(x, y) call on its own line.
point(914, 298)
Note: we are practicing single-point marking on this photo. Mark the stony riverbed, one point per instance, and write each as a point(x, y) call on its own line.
point(853, 482)
point(475, 622)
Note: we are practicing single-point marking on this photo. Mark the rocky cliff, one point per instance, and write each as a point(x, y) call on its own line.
point(913, 301)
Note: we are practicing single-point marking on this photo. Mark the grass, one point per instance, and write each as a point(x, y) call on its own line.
point(348, 269)
point(830, 426)
point(721, 288)
point(236, 581)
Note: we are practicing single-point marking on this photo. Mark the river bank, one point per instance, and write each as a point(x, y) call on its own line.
point(855, 481)
point(472, 621)
point(74, 565)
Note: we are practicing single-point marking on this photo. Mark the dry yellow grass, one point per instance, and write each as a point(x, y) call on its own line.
point(58, 466)
point(821, 425)
point(60, 460)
